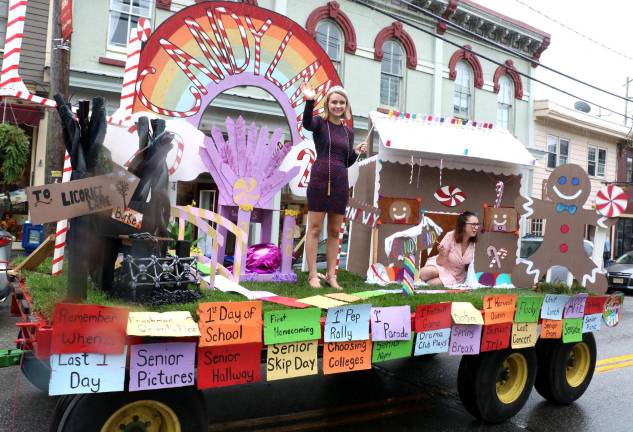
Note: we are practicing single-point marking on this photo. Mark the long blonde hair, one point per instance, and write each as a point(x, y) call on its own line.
point(325, 115)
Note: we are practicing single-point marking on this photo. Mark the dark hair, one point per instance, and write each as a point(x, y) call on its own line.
point(460, 223)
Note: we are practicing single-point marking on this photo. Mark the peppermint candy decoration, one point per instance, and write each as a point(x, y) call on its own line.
point(450, 196)
point(611, 201)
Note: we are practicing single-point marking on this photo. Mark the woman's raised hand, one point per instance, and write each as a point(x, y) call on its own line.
point(361, 148)
point(308, 92)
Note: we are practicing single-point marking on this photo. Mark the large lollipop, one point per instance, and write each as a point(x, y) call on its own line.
point(611, 201)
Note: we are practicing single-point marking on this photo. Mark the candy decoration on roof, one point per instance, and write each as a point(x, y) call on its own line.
point(400, 115)
point(450, 196)
point(499, 195)
point(611, 201)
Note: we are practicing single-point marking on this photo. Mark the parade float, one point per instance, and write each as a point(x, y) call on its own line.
point(120, 363)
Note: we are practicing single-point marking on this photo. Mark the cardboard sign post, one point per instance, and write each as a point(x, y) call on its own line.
point(58, 201)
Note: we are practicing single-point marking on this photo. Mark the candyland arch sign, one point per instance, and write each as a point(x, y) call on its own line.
point(210, 47)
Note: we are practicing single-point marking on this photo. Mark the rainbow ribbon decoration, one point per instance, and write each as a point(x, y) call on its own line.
point(408, 276)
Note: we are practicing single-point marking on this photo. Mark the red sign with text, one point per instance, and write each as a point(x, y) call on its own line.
point(432, 317)
point(496, 337)
point(229, 365)
point(595, 305)
point(79, 328)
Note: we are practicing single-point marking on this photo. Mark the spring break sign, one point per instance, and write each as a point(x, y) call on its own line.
point(208, 48)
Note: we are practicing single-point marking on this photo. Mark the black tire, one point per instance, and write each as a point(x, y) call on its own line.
point(478, 376)
point(91, 412)
point(562, 377)
point(36, 371)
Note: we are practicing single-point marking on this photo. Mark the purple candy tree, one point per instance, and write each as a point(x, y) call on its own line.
point(246, 169)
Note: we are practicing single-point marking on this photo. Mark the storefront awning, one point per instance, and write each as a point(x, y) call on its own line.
point(403, 137)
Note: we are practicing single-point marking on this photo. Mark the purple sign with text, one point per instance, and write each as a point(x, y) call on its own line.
point(390, 323)
point(465, 339)
point(162, 365)
point(575, 307)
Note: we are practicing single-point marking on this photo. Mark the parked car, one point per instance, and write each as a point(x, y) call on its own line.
point(620, 272)
point(6, 240)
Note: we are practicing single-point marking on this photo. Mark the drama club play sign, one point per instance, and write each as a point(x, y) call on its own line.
point(58, 201)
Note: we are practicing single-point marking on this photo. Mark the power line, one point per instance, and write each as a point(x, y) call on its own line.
point(495, 44)
point(582, 35)
point(431, 33)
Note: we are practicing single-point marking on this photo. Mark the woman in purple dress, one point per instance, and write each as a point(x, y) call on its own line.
point(328, 189)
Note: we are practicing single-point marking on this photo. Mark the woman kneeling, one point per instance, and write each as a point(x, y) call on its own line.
point(455, 253)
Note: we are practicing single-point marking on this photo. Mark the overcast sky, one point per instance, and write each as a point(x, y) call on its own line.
point(609, 22)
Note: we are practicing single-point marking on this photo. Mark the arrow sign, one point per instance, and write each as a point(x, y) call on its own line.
point(57, 201)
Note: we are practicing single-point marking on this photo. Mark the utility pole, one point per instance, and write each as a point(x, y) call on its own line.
point(626, 101)
point(59, 71)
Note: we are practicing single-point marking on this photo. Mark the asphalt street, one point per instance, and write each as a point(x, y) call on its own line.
point(402, 395)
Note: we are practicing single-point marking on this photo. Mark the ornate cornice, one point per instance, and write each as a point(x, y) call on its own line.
point(509, 69)
point(451, 7)
point(332, 10)
point(396, 31)
point(466, 55)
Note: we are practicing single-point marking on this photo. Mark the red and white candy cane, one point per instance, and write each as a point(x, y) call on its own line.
point(141, 34)
point(225, 46)
point(499, 194)
point(62, 226)
point(11, 83)
point(180, 149)
point(341, 234)
point(257, 35)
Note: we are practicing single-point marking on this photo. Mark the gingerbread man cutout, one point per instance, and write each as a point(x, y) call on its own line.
point(568, 186)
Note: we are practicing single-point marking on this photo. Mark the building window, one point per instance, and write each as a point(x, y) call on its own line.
point(462, 92)
point(4, 14)
point(504, 102)
point(629, 169)
point(330, 37)
point(391, 74)
point(596, 161)
point(124, 15)
point(557, 151)
point(536, 227)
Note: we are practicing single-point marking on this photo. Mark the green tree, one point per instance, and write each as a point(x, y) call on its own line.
point(14, 153)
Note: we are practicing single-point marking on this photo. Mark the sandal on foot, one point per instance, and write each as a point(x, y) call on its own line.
point(332, 282)
point(318, 280)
